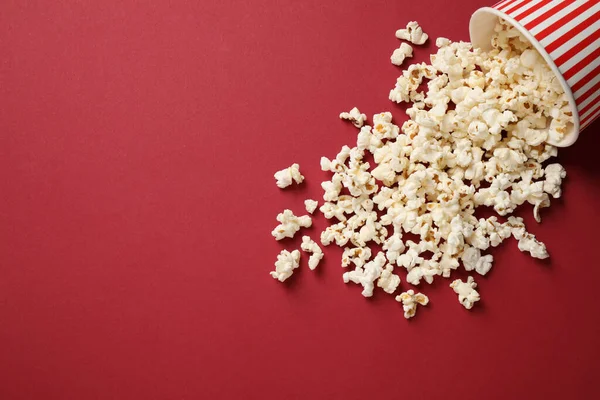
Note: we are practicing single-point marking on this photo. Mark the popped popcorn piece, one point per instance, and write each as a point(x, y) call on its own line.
point(285, 176)
point(357, 256)
point(409, 302)
point(413, 33)
point(554, 174)
point(310, 246)
point(529, 243)
point(388, 281)
point(290, 224)
point(472, 260)
point(442, 42)
point(401, 53)
point(367, 275)
point(354, 116)
point(286, 264)
point(310, 205)
point(467, 295)
point(393, 247)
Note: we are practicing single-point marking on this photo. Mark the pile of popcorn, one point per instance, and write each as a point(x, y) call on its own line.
point(476, 137)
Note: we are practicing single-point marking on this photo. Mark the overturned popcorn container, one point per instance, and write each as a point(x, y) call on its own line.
point(567, 36)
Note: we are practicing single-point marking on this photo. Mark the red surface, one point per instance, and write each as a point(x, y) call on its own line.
point(138, 144)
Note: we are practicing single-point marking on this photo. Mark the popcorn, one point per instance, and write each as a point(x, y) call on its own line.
point(529, 243)
point(383, 128)
point(310, 246)
point(554, 174)
point(401, 53)
point(332, 188)
point(354, 116)
point(447, 264)
point(285, 176)
point(467, 295)
point(357, 255)
point(472, 260)
point(413, 33)
point(335, 233)
point(427, 269)
point(442, 42)
point(476, 136)
point(409, 302)
point(290, 224)
point(388, 281)
point(367, 275)
point(393, 247)
point(285, 264)
point(310, 205)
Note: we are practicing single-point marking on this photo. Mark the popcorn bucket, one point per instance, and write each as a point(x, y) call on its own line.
point(566, 33)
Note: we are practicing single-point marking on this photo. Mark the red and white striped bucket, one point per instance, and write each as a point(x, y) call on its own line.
point(567, 34)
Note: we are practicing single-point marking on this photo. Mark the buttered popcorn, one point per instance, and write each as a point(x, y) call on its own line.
point(476, 136)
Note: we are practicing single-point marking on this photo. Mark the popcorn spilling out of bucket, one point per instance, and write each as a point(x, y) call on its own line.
point(567, 35)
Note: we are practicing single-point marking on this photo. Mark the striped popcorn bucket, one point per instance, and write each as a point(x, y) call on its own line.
point(567, 35)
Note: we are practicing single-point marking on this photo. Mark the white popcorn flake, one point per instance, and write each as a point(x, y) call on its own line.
point(529, 243)
point(442, 42)
point(366, 275)
point(285, 177)
point(310, 246)
point(285, 264)
point(354, 116)
point(401, 53)
point(554, 174)
point(410, 300)
point(310, 205)
point(290, 224)
point(388, 281)
point(467, 295)
point(413, 33)
point(393, 247)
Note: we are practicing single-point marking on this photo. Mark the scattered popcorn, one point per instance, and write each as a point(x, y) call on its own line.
point(286, 264)
point(310, 205)
point(290, 224)
point(467, 295)
point(413, 33)
point(310, 246)
point(354, 116)
point(401, 53)
point(285, 176)
point(409, 302)
point(477, 134)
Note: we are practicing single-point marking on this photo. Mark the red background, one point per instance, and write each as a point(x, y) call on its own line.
point(138, 142)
